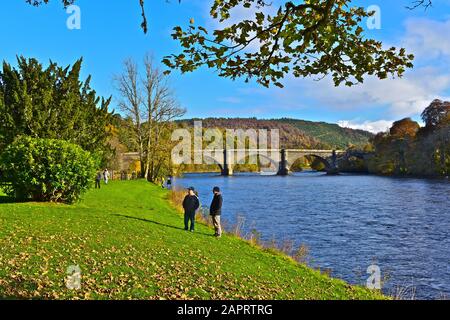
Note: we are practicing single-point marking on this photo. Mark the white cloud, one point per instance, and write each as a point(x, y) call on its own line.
point(428, 38)
point(371, 126)
point(402, 97)
point(240, 13)
point(397, 98)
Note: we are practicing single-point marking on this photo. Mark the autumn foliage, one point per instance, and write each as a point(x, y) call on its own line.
point(408, 149)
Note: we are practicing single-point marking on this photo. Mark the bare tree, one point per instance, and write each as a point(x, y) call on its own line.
point(130, 102)
point(150, 103)
point(162, 108)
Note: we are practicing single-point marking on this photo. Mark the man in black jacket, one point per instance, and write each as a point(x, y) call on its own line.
point(190, 205)
point(215, 211)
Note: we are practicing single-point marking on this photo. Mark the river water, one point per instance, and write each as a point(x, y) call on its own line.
point(348, 222)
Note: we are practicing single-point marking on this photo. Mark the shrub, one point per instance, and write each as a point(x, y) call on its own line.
point(46, 170)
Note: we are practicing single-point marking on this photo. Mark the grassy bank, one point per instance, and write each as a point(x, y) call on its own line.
point(129, 243)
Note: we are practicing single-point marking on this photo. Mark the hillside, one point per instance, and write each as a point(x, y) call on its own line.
point(330, 133)
point(295, 133)
point(129, 244)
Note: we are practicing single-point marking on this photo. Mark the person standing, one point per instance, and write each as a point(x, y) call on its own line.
point(169, 182)
point(215, 210)
point(98, 179)
point(190, 205)
point(106, 176)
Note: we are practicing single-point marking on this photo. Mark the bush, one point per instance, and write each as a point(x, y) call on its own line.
point(46, 170)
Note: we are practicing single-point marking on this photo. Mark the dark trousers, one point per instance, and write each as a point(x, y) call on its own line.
point(189, 216)
point(97, 184)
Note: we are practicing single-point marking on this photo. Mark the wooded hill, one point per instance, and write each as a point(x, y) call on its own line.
point(294, 133)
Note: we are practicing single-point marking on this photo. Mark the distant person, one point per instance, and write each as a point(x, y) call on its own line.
point(190, 205)
point(98, 179)
point(215, 210)
point(106, 176)
point(169, 183)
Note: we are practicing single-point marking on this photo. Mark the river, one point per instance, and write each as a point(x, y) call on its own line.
point(348, 222)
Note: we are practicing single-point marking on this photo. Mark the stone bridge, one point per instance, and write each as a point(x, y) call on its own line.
point(280, 160)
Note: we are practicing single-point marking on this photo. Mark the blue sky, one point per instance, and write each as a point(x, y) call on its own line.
point(110, 33)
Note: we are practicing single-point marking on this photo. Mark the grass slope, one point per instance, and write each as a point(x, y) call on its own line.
point(129, 243)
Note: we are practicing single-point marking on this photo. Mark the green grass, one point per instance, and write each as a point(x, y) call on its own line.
point(129, 243)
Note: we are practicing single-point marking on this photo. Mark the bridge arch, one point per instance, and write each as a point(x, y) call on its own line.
point(324, 161)
point(274, 162)
point(281, 159)
point(215, 161)
point(290, 162)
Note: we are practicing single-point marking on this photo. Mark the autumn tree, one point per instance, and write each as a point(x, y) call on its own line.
point(310, 39)
point(428, 154)
point(404, 128)
point(130, 100)
point(313, 38)
point(150, 104)
point(436, 114)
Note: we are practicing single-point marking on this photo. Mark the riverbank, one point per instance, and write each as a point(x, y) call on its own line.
point(348, 222)
point(129, 244)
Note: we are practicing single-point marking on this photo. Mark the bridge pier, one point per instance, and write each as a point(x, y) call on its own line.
point(226, 172)
point(333, 168)
point(283, 168)
point(226, 169)
point(328, 157)
point(332, 171)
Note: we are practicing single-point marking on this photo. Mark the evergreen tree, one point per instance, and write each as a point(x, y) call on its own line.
point(51, 103)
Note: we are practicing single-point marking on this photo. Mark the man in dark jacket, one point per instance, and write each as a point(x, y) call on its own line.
point(190, 205)
point(215, 211)
point(98, 179)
